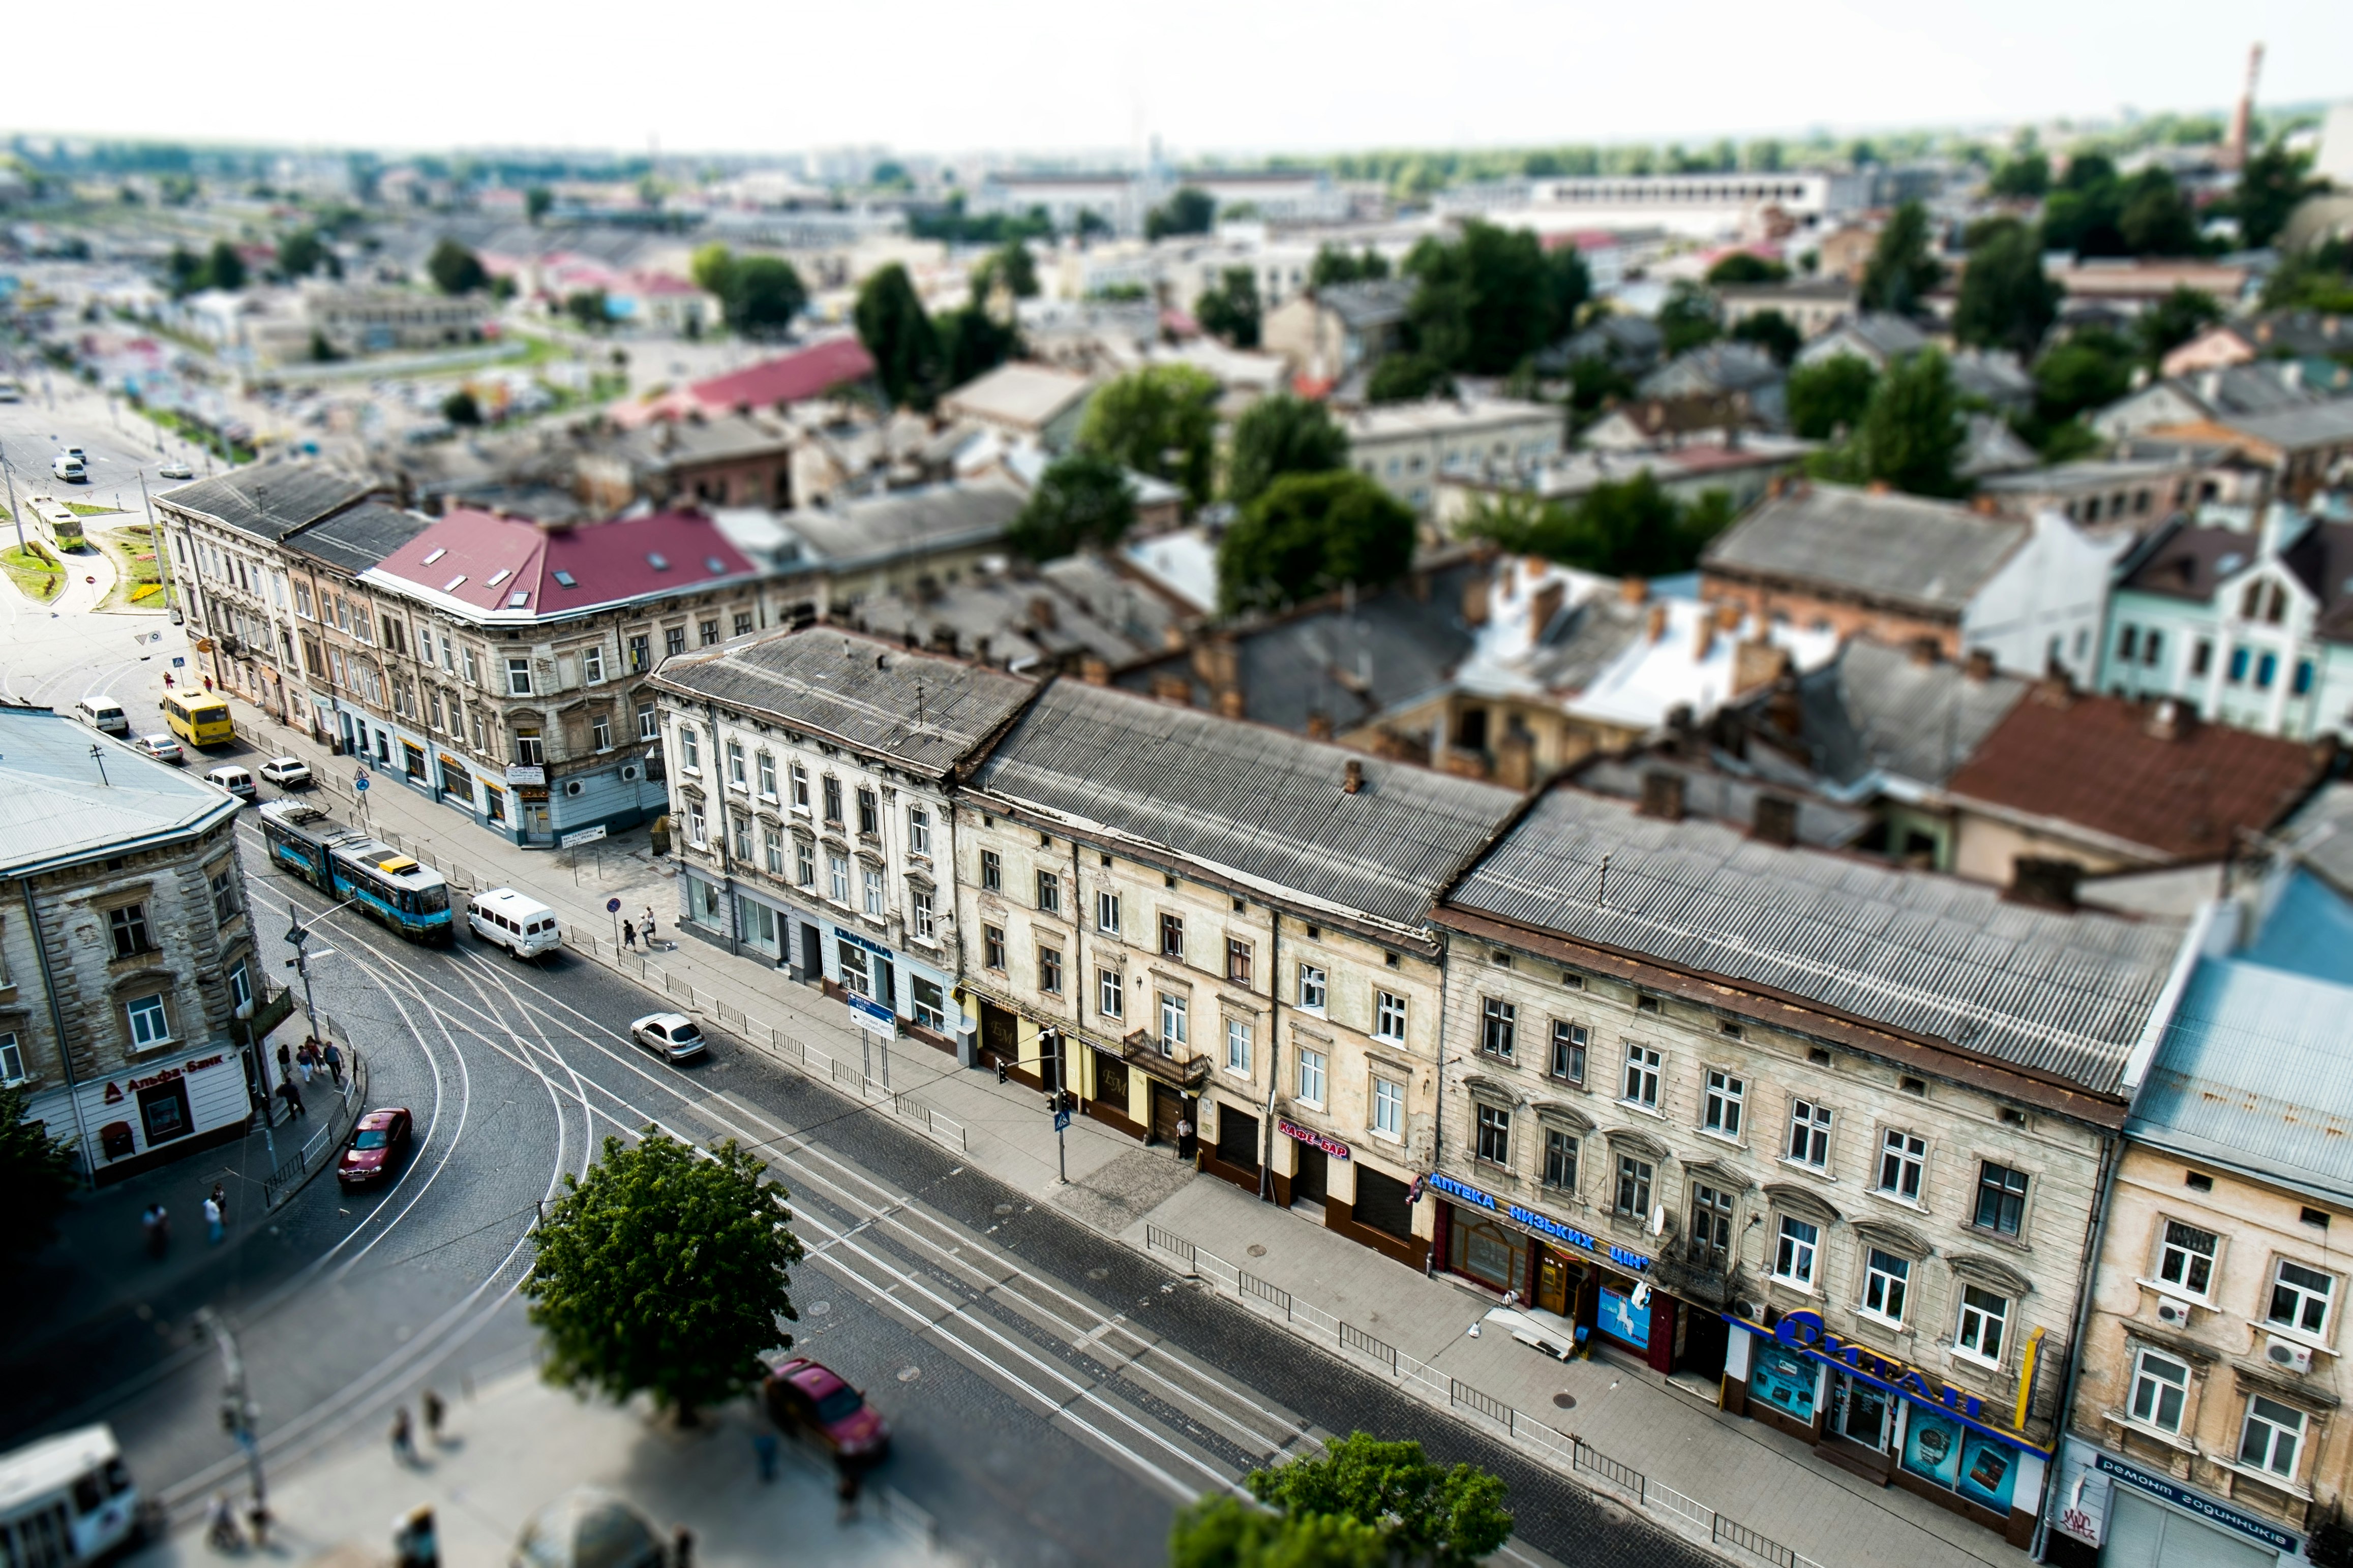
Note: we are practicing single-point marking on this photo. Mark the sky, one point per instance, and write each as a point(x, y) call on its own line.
point(1225, 76)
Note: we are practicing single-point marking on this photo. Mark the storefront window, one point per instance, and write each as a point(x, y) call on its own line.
point(1488, 1252)
point(1940, 1450)
point(1782, 1379)
point(1621, 1318)
point(1861, 1411)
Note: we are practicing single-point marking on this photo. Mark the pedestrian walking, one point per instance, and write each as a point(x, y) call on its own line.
point(404, 1437)
point(334, 1058)
point(434, 1410)
point(208, 683)
point(167, 681)
point(303, 1067)
point(415, 1542)
point(258, 1518)
point(220, 1526)
point(646, 927)
point(213, 1221)
point(681, 1548)
point(763, 1448)
point(629, 935)
point(291, 1093)
point(285, 1062)
point(220, 1196)
point(157, 1224)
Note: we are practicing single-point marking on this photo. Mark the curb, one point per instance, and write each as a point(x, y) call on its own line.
point(277, 1193)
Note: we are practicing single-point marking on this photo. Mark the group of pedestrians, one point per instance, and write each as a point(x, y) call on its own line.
point(641, 929)
point(404, 1432)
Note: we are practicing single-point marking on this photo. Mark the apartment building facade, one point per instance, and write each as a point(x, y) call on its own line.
point(129, 981)
point(1184, 920)
point(1821, 1138)
point(809, 776)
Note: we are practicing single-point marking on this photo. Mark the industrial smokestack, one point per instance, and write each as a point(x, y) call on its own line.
point(2234, 151)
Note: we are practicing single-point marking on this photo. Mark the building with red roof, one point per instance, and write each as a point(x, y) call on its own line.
point(814, 371)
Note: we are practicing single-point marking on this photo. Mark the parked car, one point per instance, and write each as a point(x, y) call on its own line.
point(235, 780)
point(803, 1395)
point(68, 468)
point(176, 471)
point(103, 714)
point(672, 1035)
point(163, 748)
point(378, 1144)
point(287, 772)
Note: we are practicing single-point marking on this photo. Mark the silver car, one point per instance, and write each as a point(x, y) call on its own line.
point(671, 1035)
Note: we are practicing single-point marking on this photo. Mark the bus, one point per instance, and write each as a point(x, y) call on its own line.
point(347, 864)
point(58, 522)
point(199, 721)
point(68, 1500)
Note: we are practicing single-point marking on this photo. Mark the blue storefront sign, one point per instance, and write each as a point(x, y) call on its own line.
point(1543, 1225)
point(873, 1013)
point(1931, 1397)
point(855, 939)
point(2205, 1508)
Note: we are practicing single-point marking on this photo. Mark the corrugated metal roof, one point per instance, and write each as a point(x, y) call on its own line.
point(1253, 800)
point(358, 538)
point(56, 806)
point(865, 692)
point(270, 500)
point(1898, 548)
point(2065, 994)
point(2257, 1068)
point(877, 528)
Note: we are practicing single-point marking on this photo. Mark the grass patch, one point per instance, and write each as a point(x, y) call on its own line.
point(35, 572)
point(78, 509)
point(171, 419)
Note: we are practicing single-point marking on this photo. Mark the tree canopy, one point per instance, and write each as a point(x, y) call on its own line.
point(973, 341)
point(1010, 267)
point(302, 252)
point(1160, 420)
point(1282, 434)
point(1082, 501)
point(1188, 210)
point(1829, 396)
point(1333, 265)
point(536, 201)
point(1625, 528)
point(2173, 322)
point(2096, 212)
point(2026, 175)
point(1487, 300)
point(757, 294)
point(1747, 267)
point(1308, 534)
point(1903, 266)
point(1439, 1515)
point(1230, 311)
point(1770, 330)
point(1687, 319)
point(455, 269)
point(2090, 369)
point(2269, 187)
point(1223, 1532)
point(664, 1272)
point(2007, 301)
point(1408, 378)
point(1909, 435)
point(36, 1178)
point(896, 331)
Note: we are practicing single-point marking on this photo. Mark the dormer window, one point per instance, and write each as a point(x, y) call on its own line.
point(566, 580)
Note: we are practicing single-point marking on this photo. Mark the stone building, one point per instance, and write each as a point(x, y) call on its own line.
point(808, 775)
point(128, 976)
point(1179, 917)
point(1820, 1138)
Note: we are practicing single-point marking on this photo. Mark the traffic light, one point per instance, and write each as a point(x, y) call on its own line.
point(1000, 1069)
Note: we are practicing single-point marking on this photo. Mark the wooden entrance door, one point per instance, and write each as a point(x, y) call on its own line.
point(1556, 1280)
point(1167, 1110)
point(1000, 1035)
point(1311, 1175)
point(1111, 1085)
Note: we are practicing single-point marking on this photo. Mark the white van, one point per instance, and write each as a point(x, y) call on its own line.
point(525, 927)
point(103, 714)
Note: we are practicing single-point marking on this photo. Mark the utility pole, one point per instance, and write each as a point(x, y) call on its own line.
point(16, 515)
point(238, 1411)
point(155, 538)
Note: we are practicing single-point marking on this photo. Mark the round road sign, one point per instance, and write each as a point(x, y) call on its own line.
point(612, 906)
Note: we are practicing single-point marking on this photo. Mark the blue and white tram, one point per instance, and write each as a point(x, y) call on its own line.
point(347, 864)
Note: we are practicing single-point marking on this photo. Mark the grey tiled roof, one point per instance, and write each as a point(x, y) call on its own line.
point(1933, 955)
point(1257, 801)
point(1897, 548)
point(270, 500)
point(1377, 303)
point(2322, 424)
point(360, 538)
point(862, 692)
point(903, 523)
point(67, 793)
point(1876, 708)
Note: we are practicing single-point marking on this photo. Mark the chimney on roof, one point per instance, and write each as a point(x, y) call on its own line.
point(1171, 687)
point(1042, 612)
point(1663, 795)
point(1543, 605)
point(1924, 651)
point(1229, 703)
point(1978, 664)
point(1775, 821)
point(1474, 598)
point(1984, 506)
point(1704, 641)
point(2042, 884)
point(1633, 590)
point(1657, 627)
point(2054, 689)
point(1783, 711)
point(1352, 777)
point(1728, 616)
point(1094, 671)
point(2168, 721)
point(1319, 726)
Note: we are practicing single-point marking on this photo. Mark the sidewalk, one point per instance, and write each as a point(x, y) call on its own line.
point(1754, 1477)
point(516, 1445)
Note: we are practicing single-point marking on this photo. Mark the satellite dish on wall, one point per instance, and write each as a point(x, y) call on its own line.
point(1658, 1224)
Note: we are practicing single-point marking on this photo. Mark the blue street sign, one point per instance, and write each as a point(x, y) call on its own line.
point(872, 1011)
point(360, 783)
point(177, 662)
point(1062, 1119)
point(612, 906)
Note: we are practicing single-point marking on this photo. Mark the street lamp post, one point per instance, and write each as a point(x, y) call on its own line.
point(239, 1413)
point(15, 515)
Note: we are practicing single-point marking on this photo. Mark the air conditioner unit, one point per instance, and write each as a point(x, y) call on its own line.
point(2287, 1354)
point(1748, 1310)
point(2172, 1313)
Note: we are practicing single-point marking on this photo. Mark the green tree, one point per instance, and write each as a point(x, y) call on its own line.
point(1230, 311)
point(2026, 176)
point(455, 269)
point(1011, 266)
point(1901, 269)
point(1222, 1532)
point(2173, 322)
point(2319, 279)
point(185, 270)
point(1408, 378)
point(765, 295)
point(36, 1178)
point(302, 253)
point(1747, 267)
point(2007, 301)
point(2091, 370)
point(663, 1271)
point(1688, 319)
point(2269, 187)
point(896, 331)
point(1188, 210)
point(973, 341)
point(1333, 265)
point(1282, 434)
point(2154, 219)
point(1829, 396)
point(1160, 420)
point(1082, 501)
point(587, 307)
point(460, 409)
point(1625, 528)
point(1770, 330)
point(1594, 384)
point(1487, 300)
point(224, 267)
point(1909, 435)
point(713, 268)
point(536, 203)
point(1307, 534)
point(1443, 1516)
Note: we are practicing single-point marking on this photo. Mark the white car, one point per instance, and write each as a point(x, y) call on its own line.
point(672, 1035)
point(163, 748)
point(176, 471)
point(234, 779)
point(287, 772)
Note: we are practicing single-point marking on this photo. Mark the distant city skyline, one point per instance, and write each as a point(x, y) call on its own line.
point(1223, 76)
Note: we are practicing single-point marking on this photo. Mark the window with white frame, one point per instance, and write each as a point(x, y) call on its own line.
point(1641, 1077)
point(1810, 1133)
point(1389, 1016)
point(1902, 1156)
point(1049, 893)
point(921, 914)
point(1495, 1135)
point(1312, 987)
point(1886, 1279)
point(2273, 1432)
point(1110, 999)
point(647, 722)
point(1725, 1094)
point(742, 837)
point(600, 727)
point(1172, 1023)
point(697, 831)
point(1568, 1046)
point(1498, 1025)
point(2160, 1386)
point(919, 831)
point(11, 1058)
point(1107, 912)
point(1312, 1066)
point(1389, 1106)
point(837, 868)
point(2300, 1298)
point(592, 663)
point(2186, 1258)
point(873, 881)
point(689, 749)
point(519, 677)
point(1238, 1045)
point(1794, 1255)
point(150, 1025)
point(773, 844)
point(1984, 1318)
point(767, 775)
point(804, 865)
point(799, 775)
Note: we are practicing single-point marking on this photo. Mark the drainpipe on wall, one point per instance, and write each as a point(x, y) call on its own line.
point(57, 1022)
point(1274, 1049)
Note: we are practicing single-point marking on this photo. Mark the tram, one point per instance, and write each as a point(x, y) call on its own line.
point(347, 864)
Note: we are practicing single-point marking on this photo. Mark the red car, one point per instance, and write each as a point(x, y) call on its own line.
point(378, 1144)
point(800, 1393)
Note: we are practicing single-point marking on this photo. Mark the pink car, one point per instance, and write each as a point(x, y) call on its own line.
point(802, 1394)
